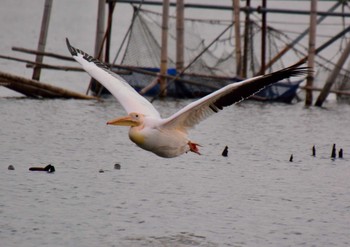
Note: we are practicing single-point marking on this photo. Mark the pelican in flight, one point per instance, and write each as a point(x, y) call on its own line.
point(168, 137)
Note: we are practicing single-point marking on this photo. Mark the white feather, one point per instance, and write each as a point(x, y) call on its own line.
point(131, 100)
point(199, 110)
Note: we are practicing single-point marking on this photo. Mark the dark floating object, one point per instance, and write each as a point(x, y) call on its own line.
point(101, 171)
point(48, 168)
point(334, 150)
point(117, 166)
point(314, 151)
point(340, 154)
point(11, 167)
point(291, 158)
point(225, 152)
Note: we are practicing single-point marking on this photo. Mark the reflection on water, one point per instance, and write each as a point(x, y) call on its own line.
point(253, 197)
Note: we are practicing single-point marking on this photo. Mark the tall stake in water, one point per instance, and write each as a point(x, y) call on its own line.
point(180, 46)
point(42, 39)
point(236, 19)
point(312, 52)
point(164, 51)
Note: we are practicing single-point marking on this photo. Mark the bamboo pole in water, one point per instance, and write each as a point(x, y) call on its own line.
point(312, 52)
point(297, 39)
point(164, 46)
point(236, 18)
point(42, 39)
point(108, 34)
point(246, 42)
point(47, 54)
point(327, 43)
point(332, 76)
point(339, 92)
point(100, 28)
point(99, 40)
point(31, 64)
point(229, 8)
point(180, 46)
point(263, 39)
point(107, 39)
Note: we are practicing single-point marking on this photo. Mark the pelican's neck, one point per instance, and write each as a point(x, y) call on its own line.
point(136, 136)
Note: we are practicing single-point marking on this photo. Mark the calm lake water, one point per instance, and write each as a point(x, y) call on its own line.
point(253, 197)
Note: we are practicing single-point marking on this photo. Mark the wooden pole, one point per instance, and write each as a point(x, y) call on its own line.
point(297, 39)
point(327, 43)
point(34, 88)
point(246, 42)
point(312, 52)
point(33, 64)
point(236, 17)
point(180, 46)
point(263, 39)
point(47, 54)
point(42, 39)
point(339, 92)
point(100, 28)
point(229, 8)
point(332, 76)
point(164, 46)
point(106, 38)
point(99, 40)
point(196, 58)
point(109, 30)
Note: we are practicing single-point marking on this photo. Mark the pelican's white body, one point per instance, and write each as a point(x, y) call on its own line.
point(164, 142)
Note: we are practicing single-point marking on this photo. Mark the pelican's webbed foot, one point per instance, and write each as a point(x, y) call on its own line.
point(194, 147)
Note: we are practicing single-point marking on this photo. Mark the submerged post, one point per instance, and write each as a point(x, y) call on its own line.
point(312, 52)
point(42, 39)
point(164, 51)
point(332, 76)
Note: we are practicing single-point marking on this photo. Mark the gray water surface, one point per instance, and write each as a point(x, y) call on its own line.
point(253, 197)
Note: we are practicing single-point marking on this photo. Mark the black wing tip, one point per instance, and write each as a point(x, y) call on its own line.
point(75, 51)
point(71, 49)
point(296, 70)
point(291, 71)
point(300, 71)
point(254, 86)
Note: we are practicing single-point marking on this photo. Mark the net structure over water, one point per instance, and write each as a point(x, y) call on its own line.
point(216, 66)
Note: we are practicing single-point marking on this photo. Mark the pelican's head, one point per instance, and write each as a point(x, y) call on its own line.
point(133, 120)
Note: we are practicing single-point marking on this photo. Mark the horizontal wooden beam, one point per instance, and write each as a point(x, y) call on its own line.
point(47, 54)
point(320, 89)
point(38, 89)
point(229, 8)
point(32, 64)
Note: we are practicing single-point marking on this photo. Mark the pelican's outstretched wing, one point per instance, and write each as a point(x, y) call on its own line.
point(125, 94)
point(198, 110)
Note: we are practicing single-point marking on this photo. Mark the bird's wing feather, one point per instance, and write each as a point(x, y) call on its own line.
point(121, 90)
point(233, 93)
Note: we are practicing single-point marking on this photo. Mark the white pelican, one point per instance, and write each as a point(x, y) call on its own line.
point(167, 137)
